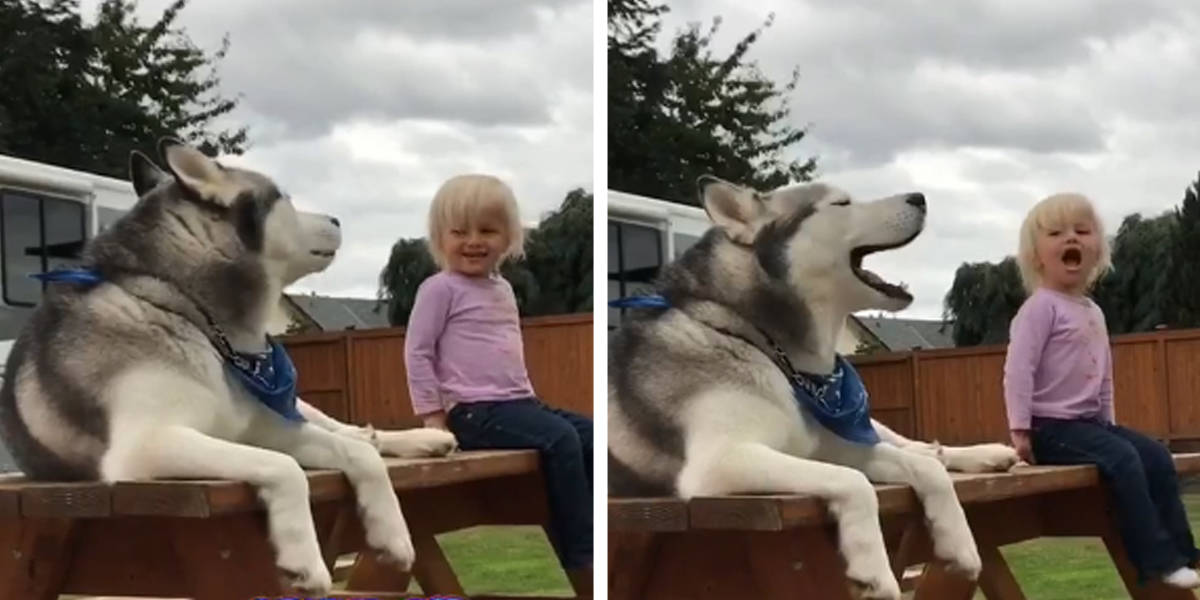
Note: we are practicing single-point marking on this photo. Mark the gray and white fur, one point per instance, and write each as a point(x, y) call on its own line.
point(697, 406)
point(122, 380)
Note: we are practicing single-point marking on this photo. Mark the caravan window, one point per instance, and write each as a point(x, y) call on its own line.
point(635, 254)
point(39, 233)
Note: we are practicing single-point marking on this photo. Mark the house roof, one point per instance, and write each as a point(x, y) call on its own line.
point(905, 334)
point(337, 314)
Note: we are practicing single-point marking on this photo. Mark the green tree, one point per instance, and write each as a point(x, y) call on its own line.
point(83, 96)
point(983, 300)
point(408, 265)
point(1185, 261)
point(558, 256)
point(1136, 295)
point(674, 118)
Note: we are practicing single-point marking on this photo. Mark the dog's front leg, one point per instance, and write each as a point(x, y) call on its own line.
point(751, 467)
point(317, 448)
point(884, 463)
point(409, 443)
point(977, 458)
point(153, 451)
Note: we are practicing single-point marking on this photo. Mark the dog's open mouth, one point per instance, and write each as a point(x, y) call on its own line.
point(322, 253)
point(875, 282)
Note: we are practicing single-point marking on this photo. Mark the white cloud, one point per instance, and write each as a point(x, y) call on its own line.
point(985, 106)
point(361, 109)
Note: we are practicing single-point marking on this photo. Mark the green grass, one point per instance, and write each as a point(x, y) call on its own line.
point(1074, 568)
point(505, 560)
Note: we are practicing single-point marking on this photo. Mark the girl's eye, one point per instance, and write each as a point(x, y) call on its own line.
point(1055, 233)
point(457, 231)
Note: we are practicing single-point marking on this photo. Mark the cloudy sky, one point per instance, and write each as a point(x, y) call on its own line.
point(986, 106)
point(361, 109)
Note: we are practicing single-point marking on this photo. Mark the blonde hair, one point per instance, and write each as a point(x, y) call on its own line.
point(1056, 212)
point(462, 199)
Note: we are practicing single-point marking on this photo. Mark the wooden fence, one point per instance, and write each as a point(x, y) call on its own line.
point(957, 395)
point(359, 376)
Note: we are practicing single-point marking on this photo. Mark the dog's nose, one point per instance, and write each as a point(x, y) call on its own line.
point(917, 200)
point(336, 223)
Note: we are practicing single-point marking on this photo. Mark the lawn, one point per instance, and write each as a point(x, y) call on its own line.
point(505, 560)
point(1075, 568)
point(518, 560)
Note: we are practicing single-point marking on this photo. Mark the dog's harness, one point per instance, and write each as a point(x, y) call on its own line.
point(838, 401)
point(269, 376)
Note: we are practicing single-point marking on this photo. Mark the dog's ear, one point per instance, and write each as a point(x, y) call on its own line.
point(144, 174)
point(197, 173)
point(735, 209)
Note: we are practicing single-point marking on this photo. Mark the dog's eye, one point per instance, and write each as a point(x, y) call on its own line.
point(841, 203)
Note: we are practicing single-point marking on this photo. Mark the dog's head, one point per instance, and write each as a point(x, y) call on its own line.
point(234, 213)
point(814, 237)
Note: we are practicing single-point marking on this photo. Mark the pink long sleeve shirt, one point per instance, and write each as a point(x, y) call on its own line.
point(1059, 361)
point(463, 343)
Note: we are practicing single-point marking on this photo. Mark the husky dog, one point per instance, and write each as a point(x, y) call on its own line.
point(701, 398)
point(125, 376)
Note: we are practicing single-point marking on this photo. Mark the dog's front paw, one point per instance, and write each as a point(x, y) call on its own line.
point(399, 551)
point(302, 573)
point(982, 458)
point(416, 443)
point(879, 586)
point(960, 554)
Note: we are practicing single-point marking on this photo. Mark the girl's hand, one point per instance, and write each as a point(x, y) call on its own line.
point(436, 420)
point(1021, 443)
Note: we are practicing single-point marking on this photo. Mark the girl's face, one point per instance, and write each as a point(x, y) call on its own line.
point(1067, 253)
point(474, 248)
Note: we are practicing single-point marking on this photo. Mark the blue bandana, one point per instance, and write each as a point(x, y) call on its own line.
point(839, 401)
point(270, 377)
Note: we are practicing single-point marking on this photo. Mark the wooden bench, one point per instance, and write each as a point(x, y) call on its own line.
point(776, 547)
point(208, 540)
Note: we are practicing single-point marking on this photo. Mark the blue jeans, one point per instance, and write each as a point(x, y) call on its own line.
point(564, 441)
point(1140, 475)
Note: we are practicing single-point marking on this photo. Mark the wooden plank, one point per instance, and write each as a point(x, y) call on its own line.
point(779, 512)
point(207, 498)
point(370, 573)
point(801, 565)
point(997, 580)
point(10, 494)
point(766, 565)
point(76, 499)
point(36, 555)
point(647, 514)
point(125, 556)
point(938, 583)
point(432, 571)
point(631, 561)
point(226, 557)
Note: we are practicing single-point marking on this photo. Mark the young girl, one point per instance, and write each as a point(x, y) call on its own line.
point(466, 364)
point(1059, 392)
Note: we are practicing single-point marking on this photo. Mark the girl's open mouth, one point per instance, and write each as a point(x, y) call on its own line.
point(1072, 257)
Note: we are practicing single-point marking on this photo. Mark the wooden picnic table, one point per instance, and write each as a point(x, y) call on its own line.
point(208, 539)
point(775, 547)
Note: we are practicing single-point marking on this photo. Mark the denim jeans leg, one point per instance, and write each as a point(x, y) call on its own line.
point(528, 424)
point(1146, 540)
point(1163, 483)
point(583, 427)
